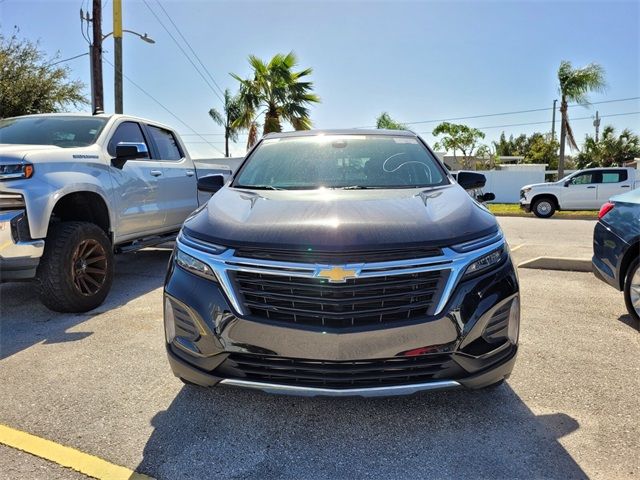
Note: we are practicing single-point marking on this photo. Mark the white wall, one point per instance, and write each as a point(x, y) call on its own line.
point(506, 184)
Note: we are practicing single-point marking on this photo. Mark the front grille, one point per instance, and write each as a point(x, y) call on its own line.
point(330, 258)
point(339, 374)
point(357, 302)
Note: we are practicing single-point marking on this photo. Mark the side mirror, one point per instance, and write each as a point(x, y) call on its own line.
point(211, 183)
point(487, 197)
point(567, 183)
point(471, 180)
point(129, 151)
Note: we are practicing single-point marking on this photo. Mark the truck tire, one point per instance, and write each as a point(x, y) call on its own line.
point(543, 207)
point(76, 269)
point(632, 290)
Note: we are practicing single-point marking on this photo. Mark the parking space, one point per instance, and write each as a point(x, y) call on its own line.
point(100, 382)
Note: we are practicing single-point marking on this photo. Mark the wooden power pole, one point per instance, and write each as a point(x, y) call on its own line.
point(97, 89)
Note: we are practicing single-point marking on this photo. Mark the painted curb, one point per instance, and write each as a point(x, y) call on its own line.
point(558, 263)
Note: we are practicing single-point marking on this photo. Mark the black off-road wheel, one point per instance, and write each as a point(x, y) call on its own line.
point(632, 290)
point(544, 207)
point(76, 269)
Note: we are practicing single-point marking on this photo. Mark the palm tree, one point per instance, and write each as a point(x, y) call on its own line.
point(232, 111)
point(575, 84)
point(385, 121)
point(278, 92)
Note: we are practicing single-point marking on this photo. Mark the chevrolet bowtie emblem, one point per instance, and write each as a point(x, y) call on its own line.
point(336, 274)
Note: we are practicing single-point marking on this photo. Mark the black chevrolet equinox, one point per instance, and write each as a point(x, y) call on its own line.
point(342, 263)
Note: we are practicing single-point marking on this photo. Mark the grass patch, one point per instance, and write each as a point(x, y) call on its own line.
point(514, 210)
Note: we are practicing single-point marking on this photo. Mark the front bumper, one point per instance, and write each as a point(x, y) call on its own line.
point(19, 254)
point(210, 336)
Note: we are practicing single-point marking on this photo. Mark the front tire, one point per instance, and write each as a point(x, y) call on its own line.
point(76, 269)
point(632, 290)
point(544, 208)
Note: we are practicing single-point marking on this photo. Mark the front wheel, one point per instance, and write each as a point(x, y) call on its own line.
point(76, 269)
point(543, 208)
point(632, 290)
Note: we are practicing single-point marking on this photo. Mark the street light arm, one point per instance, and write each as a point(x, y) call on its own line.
point(141, 36)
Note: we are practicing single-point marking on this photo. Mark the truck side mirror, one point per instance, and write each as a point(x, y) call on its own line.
point(129, 151)
point(211, 183)
point(487, 197)
point(567, 183)
point(471, 180)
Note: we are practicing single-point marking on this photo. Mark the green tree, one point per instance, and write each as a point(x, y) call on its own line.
point(29, 83)
point(458, 137)
point(487, 158)
point(574, 86)
point(278, 90)
point(511, 147)
point(232, 110)
point(542, 148)
point(385, 121)
point(611, 149)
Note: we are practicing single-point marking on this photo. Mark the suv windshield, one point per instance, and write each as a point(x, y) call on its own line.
point(340, 161)
point(61, 131)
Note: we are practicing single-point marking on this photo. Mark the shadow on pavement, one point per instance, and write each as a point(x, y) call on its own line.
point(24, 321)
point(630, 321)
point(232, 433)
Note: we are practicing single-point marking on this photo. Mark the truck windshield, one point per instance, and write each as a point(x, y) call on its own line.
point(63, 131)
point(340, 161)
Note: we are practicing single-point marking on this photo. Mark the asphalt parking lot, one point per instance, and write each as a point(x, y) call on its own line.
point(100, 382)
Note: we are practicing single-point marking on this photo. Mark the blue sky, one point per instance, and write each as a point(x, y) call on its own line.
point(417, 60)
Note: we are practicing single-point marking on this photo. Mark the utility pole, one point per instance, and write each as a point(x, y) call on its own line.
point(553, 121)
point(117, 38)
point(596, 123)
point(96, 59)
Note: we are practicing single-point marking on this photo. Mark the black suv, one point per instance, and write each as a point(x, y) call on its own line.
point(342, 263)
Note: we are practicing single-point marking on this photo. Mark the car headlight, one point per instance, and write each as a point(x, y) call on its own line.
point(193, 265)
point(16, 171)
point(485, 263)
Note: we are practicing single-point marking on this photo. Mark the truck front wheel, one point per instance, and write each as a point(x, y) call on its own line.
point(76, 269)
point(543, 207)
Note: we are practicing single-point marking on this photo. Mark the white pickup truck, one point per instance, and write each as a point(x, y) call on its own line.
point(582, 190)
point(75, 189)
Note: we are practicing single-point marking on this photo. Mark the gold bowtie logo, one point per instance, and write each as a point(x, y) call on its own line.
point(336, 274)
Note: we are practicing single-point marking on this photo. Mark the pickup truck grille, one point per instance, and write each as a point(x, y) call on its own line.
point(339, 374)
point(355, 303)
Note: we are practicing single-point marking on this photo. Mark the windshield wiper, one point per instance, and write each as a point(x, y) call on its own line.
point(258, 187)
point(355, 187)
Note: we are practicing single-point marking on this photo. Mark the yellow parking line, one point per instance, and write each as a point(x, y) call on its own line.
point(66, 456)
point(513, 249)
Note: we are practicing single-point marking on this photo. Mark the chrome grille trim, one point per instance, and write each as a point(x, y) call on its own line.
point(224, 263)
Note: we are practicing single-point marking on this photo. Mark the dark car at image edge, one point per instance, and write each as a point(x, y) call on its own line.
point(616, 248)
point(342, 263)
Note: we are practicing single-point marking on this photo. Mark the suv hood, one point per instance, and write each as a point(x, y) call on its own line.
point(341, 219)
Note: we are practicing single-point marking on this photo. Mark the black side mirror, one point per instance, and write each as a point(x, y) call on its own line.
point(487, 197)
point(471, 180)
point(211, 183)
point(129, 151)
point(567, 183)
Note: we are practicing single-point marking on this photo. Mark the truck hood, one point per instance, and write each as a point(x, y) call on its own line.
point(12, 152)
point(341, 219)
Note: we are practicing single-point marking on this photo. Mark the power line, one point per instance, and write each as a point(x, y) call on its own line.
point(190, 47)
point(470, 117)
point(166, 109)
point(546, 121)
point(183, 51)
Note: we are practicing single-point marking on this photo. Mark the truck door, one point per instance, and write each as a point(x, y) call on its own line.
point(136, 197)
point(178, 185)
point(581, 191)
point(613, 183)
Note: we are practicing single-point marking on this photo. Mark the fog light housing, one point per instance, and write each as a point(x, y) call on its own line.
point(513, 331)
point(169, 321)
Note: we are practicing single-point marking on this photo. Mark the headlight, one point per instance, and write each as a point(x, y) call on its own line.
point(194, 265)
point(486, 262)
point(15, 171)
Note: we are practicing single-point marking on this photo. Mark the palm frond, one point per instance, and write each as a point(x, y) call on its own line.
point(216, 116)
